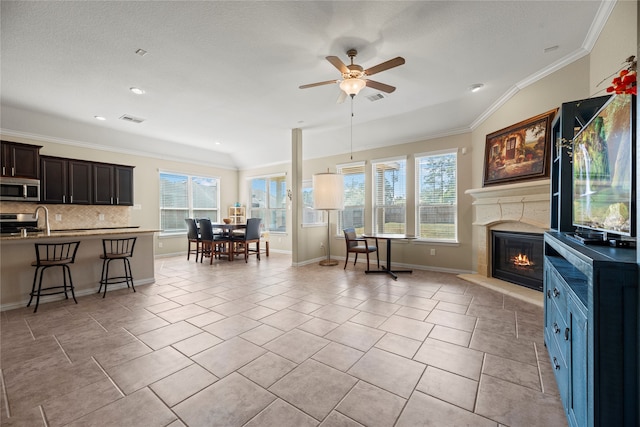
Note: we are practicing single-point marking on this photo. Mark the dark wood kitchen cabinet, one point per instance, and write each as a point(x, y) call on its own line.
point(65, 181)
point(20, 160)
point(112, 184)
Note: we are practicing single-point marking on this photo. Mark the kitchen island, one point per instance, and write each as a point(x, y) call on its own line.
point(17, 253)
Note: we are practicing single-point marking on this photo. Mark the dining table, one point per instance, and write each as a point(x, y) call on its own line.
point(386, 269)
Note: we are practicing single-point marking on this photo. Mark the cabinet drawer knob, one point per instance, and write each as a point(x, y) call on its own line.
point(566, 334)
point(556, 329)
point(556, 364)
point(556, 292)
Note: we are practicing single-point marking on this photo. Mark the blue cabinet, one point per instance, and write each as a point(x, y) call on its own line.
point(590, 330)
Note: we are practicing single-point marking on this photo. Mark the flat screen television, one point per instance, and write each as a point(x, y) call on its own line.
point(604, 194)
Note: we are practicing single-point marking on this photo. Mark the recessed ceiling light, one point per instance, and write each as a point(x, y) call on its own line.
point(141, 52)
point(217, 142)
point(136, 90)
point(100, 118)
point(551, 48)
point(476, 87)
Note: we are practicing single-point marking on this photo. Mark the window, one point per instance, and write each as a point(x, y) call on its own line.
point(437, 207)
point(269, 202)
point(310, 216)
point(186, 196)
point(389, 196)
point(354, 197)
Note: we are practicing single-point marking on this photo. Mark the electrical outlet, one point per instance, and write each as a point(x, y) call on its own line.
point(58, 217)
point(321, 245)
point(100, 217)
point(160, 244)
point(433, 251)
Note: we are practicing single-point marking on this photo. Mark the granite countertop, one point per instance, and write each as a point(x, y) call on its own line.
point(78, 233)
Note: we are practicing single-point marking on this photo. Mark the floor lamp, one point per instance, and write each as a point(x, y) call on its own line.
point(328, 194)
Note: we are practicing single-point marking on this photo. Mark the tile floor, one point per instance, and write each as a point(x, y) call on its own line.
point(266, 344)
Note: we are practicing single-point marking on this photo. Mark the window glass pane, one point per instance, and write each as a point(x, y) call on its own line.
point(205, 192)
point(354, 198)
point(258, 194)
point(184, 196)
point(437, 196)
point(278, 220)
point(389, 180)
point(277, 193)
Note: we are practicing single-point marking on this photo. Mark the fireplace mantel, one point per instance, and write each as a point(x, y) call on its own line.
point(523, 207)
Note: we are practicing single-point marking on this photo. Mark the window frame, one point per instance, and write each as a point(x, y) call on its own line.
point(418, 205)
point(190, 209)
point(374, 189)
point(340, 216)
point(265, 224)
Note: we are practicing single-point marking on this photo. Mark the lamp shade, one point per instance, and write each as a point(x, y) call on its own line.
point(352, 86)
point(328, 191)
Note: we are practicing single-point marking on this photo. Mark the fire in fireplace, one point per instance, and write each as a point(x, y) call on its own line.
point(518, 258)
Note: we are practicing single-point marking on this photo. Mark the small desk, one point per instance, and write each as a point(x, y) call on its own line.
point(388, 237)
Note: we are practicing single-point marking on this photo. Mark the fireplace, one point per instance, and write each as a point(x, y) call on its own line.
point(518, 258)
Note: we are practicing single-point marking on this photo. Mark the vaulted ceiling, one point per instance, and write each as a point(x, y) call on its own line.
point(221, 77)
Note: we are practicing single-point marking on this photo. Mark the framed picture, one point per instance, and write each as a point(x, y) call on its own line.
point(519, 152)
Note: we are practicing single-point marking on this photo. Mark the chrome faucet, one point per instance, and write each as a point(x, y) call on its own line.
point(46, 217)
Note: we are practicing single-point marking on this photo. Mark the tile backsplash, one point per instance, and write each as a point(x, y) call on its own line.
point(74, 216)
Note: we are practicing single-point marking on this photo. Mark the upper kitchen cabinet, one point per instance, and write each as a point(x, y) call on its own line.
point(65, 180)
point(20, 160)
point(112, 184)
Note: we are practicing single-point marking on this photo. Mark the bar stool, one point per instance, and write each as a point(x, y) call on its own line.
point(114, 249)
point(53, 255)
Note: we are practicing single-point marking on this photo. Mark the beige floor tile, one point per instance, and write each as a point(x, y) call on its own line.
point(505, 402)
point(452, 297)
point(168, 335)
point(280, 414)
point(368, 319)
point(452, 388)
point(279, 302)
point(336, 419)
point(388, 371)
point(338, 356)
point(378, 307)
point(231, 326)
point(335, 313)
point(228, 356)
point(233, 307)
point(258, 313)
point(205, 318)
point(122, 354)
point(427, 411)
point(418, 302)
point(286, 319)
point(402, 346)
point(179, 386)
point(267, 369)
point(196, 344)
point(357, 336)
point(450, 357)
point(412, 313)
point(497, 327)
point(306, 388)
point(141, 407)
point(138, 373)
point(452, 320)
point(410, 328)
point(509, 348)
point(318, 327)
point(230, 402)
point(371, 405)
point(296, 345)
point(61, 410)
point(509, 370)
point(262, 334)
point(450, 335)
point(164, 306)
point(453, 307)
point(146, 325)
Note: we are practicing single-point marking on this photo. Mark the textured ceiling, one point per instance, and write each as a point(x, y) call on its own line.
point(228, 72)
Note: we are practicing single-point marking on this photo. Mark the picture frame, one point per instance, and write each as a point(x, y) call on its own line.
point(520, 152)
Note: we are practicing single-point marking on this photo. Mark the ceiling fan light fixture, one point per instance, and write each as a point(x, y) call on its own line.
point(476, 87)
point(352, 86)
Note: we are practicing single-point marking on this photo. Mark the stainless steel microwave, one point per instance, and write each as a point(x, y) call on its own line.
point(19, 189)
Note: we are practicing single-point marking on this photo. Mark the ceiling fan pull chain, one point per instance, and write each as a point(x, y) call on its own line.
point(351, 148)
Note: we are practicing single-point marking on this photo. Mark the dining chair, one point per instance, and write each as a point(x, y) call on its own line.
point(211, 242)
point(251, 235)
point(354, 246)
point(193, 236)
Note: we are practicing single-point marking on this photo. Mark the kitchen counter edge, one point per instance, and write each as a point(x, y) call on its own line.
point(78, 233)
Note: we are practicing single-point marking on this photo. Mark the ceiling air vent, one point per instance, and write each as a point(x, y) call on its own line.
point(375, 97)
point(132, 119)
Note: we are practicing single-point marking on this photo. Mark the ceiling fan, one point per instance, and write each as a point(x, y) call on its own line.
point(354, 76)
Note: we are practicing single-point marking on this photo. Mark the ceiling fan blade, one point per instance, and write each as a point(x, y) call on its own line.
point(380, 86)
point(328, 82)
point(341, 97)
point(384, 66)
point(336, 62)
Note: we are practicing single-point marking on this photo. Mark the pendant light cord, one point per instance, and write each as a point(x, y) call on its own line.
point(351, 148)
